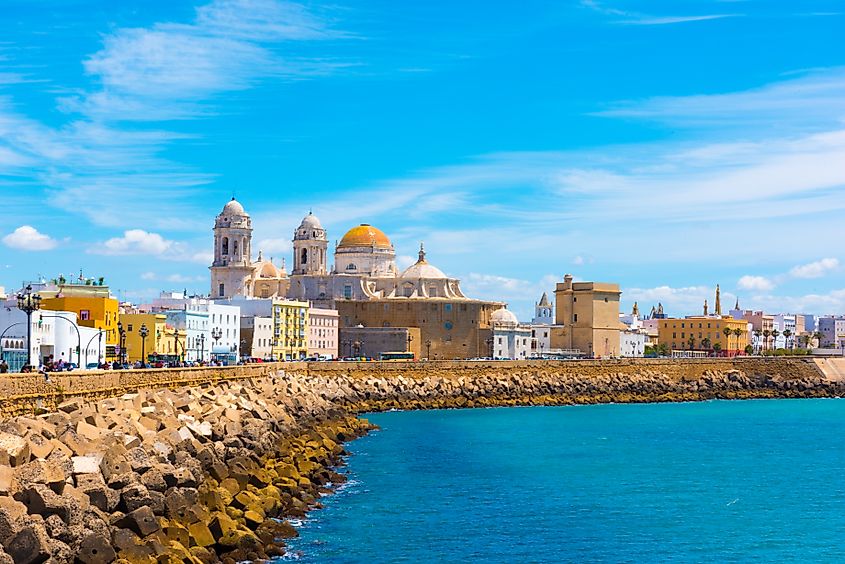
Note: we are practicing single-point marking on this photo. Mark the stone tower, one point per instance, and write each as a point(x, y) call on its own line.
point(718, 300)
point(309, 247)
point(232, 267)
point(543, 314)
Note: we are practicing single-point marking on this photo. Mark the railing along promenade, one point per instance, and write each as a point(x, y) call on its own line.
point(31, 393)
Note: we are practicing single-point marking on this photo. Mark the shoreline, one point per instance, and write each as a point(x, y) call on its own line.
point(201, 473)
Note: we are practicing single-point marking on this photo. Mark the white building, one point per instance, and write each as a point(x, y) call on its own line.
point(257, 336)
point(832, 329)
point(632, 343)
point(322, 332)
point(56, 336)
point(213, 329)
point(510, 339)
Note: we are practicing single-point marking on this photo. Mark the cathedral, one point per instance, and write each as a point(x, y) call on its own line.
point(364, 271)
point(364, 265)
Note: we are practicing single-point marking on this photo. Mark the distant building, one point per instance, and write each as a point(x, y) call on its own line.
point(587, 317)
point(257, 337)
point(290, 324)
point(162, 342)
point(832, 329)
point(371, 342)
point(541, 327)
point(323, 336)
point(510, 340)
point(762, 325)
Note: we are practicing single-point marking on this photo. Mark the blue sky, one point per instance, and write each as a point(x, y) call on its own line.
point(666, 146)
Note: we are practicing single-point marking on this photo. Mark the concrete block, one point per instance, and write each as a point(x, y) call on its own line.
point(89, 464)
point(95, 549)
point(30, 545)
point(14, 450)
point(142, 522)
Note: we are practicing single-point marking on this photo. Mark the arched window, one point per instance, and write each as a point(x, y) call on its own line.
point(235, 247)
point(351, 266)
point(225, 246)
point(304, 260)
point(408, 290)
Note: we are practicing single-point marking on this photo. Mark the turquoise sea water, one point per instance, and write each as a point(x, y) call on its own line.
point(724, 481)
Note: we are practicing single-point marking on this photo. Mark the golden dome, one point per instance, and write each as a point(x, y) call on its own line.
point(365, 235)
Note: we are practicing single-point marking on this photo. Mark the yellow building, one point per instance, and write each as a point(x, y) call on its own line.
point(290, 329)
point(704, 333)
point(163, 341)
point(587, 318)
point(93, 305)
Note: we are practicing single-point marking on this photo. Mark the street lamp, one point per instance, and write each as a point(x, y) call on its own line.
point(202, 347)
point(143, 332)
point(121, 342)
point(28, 303)
point(428, 349)
point(216, 334)
point(410, 339)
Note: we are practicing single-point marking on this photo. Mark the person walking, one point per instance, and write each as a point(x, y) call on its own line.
point(4, 368)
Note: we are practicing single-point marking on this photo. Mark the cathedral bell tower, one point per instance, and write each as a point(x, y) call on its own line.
point(232, 267)
point(309, 247)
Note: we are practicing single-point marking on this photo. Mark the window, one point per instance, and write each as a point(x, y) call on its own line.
point(351, 266)
point(225, 246)
point(84, 315)
point(222, 290)
point(235, 247)
point(574, 318)
point(447, 307)
point(347, 291)
point(129, 328)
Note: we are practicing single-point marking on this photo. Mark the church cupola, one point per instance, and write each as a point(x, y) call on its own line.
point(309, 247)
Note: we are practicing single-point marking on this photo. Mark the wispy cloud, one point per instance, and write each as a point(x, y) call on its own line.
point(815, 98)
point(140, 242)
point(815, 269)
point(168, 70)
point(627, 17)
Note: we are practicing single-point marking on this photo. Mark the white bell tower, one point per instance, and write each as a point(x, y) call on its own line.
point(309, 247)
point(231, 270)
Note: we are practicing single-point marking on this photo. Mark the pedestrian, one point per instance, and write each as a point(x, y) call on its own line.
point(4, 368)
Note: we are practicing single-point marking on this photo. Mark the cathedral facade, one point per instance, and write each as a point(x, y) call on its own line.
point(364, 271)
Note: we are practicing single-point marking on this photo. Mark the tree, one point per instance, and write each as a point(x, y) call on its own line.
point(766, 334)
point(786, 335)
point(775, 334)
point(691, 342)
point(727, 331)
point(717, 347)
point(705, 343)
point(749, 349)
point(818, 337)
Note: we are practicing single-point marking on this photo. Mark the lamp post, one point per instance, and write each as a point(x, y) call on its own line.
point(216, 334)
point(121, 342)
point(428, 349)
point(202, 347)
point(28, 303)
point(143, 332)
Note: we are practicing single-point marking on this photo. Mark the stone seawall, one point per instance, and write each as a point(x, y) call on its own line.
point(28, 393)
point(200, 473)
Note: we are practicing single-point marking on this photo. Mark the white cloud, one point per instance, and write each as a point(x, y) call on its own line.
point(815, 269)
point(181, 278)
point(758, 283)
point(141, 242)
point(272, 246)
point(28, 238)
point(404, 261)
point(578, 261)
point(135, 242)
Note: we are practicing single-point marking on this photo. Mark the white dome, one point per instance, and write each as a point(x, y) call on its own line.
point(233, 207)
point(504, 316)
point(423, 270)
point(310, 221)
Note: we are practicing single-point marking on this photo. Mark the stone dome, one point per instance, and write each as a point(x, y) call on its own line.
point(422, 269)
point(268, 270)
point(365, 235)
point(310, 221)
point(233, 207)
point(504, 316)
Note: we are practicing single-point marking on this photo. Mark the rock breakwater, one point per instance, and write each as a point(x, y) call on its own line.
point(207, 473)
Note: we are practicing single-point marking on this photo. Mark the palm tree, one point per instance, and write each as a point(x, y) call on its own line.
point(766, 334)
point(691, 342)
point(737, 333)
point(818, 337)
point(727, 331)
point(775, 334)
point(705, 343)
point(786, 335)
point(805, 341)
